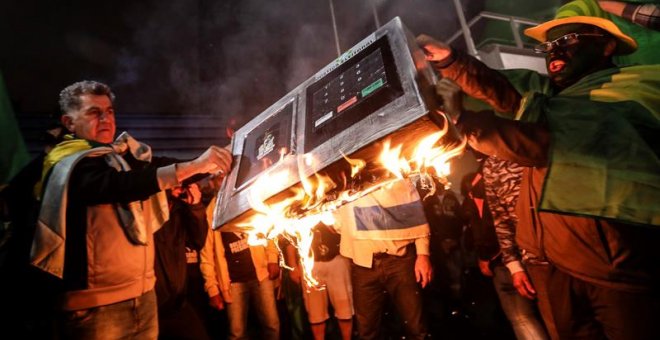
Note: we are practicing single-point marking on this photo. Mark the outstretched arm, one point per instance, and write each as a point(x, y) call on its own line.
point(524, 143)
point(475, 78)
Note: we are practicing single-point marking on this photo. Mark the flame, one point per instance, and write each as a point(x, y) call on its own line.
point(295, 217)
point(276, 219)
point(392, 160)
point(283, 152)
point(426, 155)
point(356, 164)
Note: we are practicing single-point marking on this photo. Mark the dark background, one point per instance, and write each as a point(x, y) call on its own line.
point(188, 72)
point(227, 59)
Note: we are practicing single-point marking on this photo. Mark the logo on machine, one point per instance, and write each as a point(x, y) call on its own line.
point(346, 56)
point(267, 145)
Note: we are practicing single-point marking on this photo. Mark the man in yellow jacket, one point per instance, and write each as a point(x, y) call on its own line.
point(237, 276)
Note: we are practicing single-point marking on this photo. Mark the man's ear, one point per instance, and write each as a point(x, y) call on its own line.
point(67, 122)
point(610, 47)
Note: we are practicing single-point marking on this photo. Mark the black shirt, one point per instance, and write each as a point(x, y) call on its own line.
point(325, 244)
point(239, 259)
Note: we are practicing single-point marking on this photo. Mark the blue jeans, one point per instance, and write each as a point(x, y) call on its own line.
point(521, 312)
point(133, 319)
point(261, 297)
point(393, 274)
point(539, 275)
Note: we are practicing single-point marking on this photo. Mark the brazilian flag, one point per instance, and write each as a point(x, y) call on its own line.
point(605, 142)
point(13, 153)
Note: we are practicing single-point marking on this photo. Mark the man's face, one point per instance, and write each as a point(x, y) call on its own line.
point(571, 59)
point(95, 120)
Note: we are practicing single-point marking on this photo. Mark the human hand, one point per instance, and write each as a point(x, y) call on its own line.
point(523, 285)
point(190, 194)
point(214, 160)
point(273, 271)
point(485, 268)
point(423, 270)
point(216, 302)
point(452, 98)
point(433, 49)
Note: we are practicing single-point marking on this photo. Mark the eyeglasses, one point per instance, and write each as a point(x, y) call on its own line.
point(563, 41)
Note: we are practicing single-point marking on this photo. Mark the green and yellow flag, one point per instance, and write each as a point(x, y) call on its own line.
point(604, 157)
point(13, 153)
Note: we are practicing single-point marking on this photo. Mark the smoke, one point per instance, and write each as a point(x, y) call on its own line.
point(233, 59)
point(315, 44)
point(156, 70)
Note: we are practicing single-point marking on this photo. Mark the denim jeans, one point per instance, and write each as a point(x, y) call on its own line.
point(393, 274)
point(261, 297)
point(131, 319)
point(521, 312)
point(539, 275)
point(182, 323)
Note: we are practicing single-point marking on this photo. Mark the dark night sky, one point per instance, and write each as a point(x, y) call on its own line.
point(230, 59)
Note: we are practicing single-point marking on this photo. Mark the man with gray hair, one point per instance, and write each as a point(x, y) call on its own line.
point(102, 200)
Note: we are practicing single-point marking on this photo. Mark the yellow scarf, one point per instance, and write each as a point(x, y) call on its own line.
point(68, 147)
point(50, 234)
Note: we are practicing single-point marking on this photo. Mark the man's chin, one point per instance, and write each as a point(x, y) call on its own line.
point(105, 138)
point(560, 81)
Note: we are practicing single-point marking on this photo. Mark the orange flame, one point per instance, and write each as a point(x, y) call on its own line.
point(296, 216)
point(356, 164)
point(426, 155)
point(283, 152)
point(275, 219)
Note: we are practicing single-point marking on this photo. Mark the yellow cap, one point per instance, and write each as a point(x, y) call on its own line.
point(584, 12)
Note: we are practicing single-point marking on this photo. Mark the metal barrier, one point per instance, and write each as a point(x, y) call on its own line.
point(465, 31)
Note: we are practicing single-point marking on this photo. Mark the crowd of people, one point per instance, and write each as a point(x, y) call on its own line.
point(552, 237)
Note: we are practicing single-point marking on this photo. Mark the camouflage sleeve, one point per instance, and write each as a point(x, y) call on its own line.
point(643, 14)
point(502, 185)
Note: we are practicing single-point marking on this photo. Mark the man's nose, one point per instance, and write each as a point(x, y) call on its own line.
point(555, 52)
point(105, 115)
